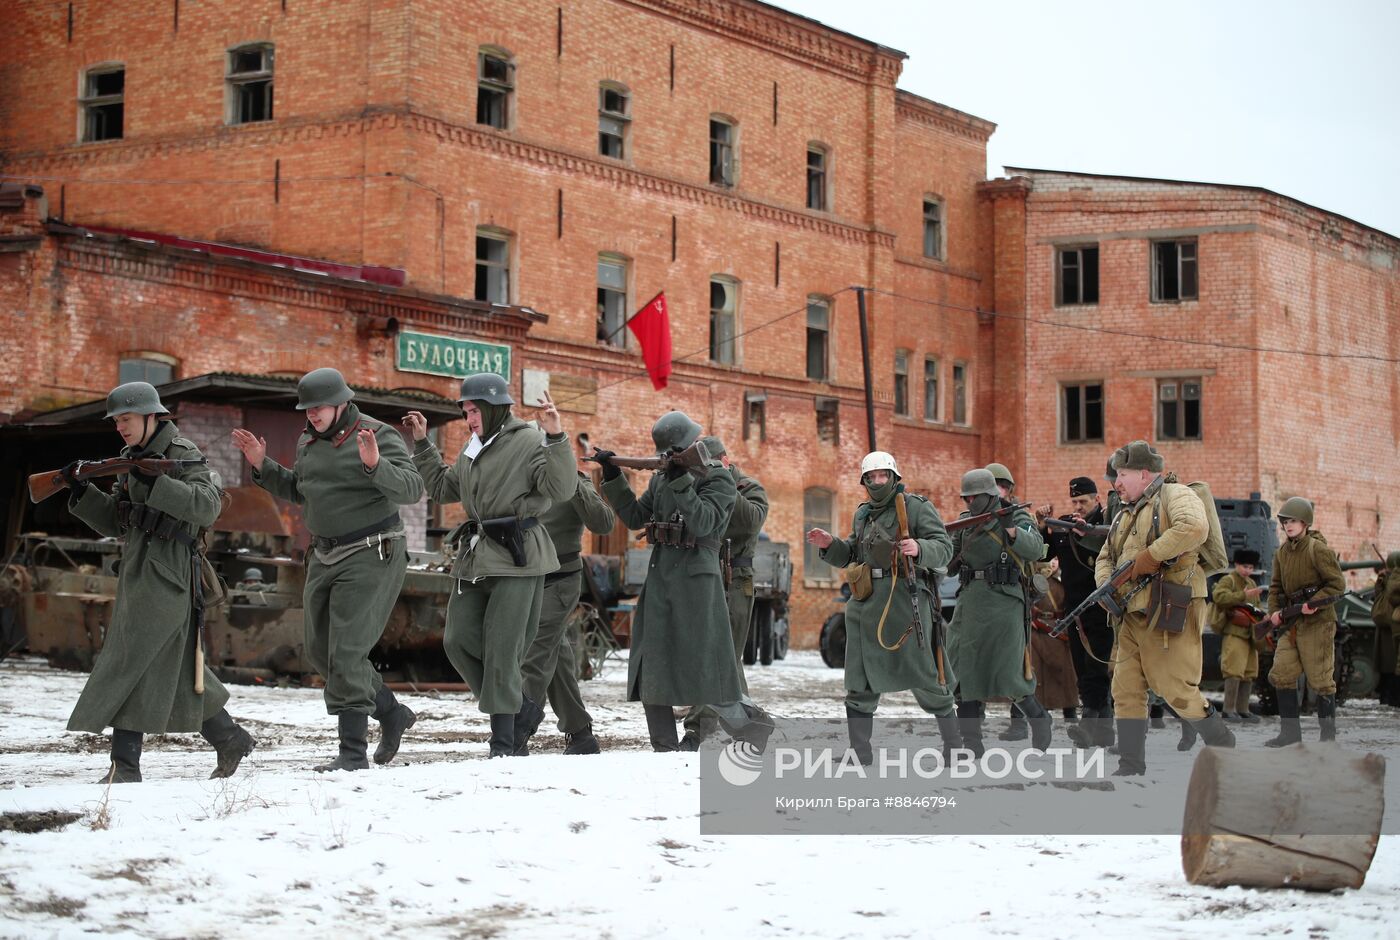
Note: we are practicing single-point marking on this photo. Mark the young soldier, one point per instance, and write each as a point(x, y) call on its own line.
point(745, 522)
point(1305, 568)
point(989, 637)
point(883, 652)
point(143, 681)
point(550, 669)
point(1159, 523)
point(1239, 660)
point(506, 477)
point(350, 475)
point(682, 652)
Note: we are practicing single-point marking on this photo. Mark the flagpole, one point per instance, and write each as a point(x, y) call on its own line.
point(865, 364)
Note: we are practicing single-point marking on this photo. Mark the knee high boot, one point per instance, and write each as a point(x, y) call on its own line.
point(1083, 734)
point(502, 735)
point(1289, 731)
point(394, 719)
point(1327, 717)
point(661, 728)
point(1242, 703)
point(126, 758)
point(1132, 747)
point(970, 726)
point(354, 742)
point(1232, 692)
point(859, 727)
point(950, 732)
point(527, 722)
point(1212, 729)
point(1042, 724)
point(230, 742)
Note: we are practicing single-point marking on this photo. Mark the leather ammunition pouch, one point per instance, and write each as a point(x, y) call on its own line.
point(674, 535)
point(1168, 605)
point(858, 577)
point(153, 522)
point(995, 573)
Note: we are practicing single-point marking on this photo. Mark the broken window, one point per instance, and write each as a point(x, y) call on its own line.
point(817, 513)
point(931, 403)
point(1081, 418)
point(103, 103)
point(145, 368)
point(250, 84)
point(492, 267)
point(817, 168)
point(960, 393)
point(612, 301)
point(1174, 271)
point(724, 311)
point(755, 416)
point(613, 120)
point(901, 382)
point(495, 81)
point(828, 427)
point(933, 228)
point(818, 337)
point(1179, 409)
point(1077, 275)
point(722, 134)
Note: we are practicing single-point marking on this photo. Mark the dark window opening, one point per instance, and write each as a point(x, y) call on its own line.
point(612, 303)
point(103, 104)
point(816, 178)
point(250, 84)
point(755, 416)
point(1174, 271)
point(1078, 276)
point(1179, 410)
point(933, 229)
point(931, 403)
point(818, 339)
point(959, 393)
point(723, 310)
point(901, 382)
point(492, 269)
point(721, 153)
point(613, 119)
point(1082, 414)
point(828, 425)
point(495, 82)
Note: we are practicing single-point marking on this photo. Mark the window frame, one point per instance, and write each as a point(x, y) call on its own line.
point(755, 404)
point(1080, 268)
point(491, 86)
point(814, 301)
point(726, 162)
point(1179, 399)
point(619, 341)
point(939, 222)
point(901, 383)
point(507, 267)
point(823, 190)
point(830, 406)
point(733, 284)
point(962, 399)
point(235, 82)
point(146, 359)
point(1082, 411)
point(623, 120)
point(814, 567)
point(89, 102)
point(1157, 274)
point(937, 377)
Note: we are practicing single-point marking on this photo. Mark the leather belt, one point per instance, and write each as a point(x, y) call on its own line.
point(326, 543)
point(741, 561)
point(567, 557)
point(554, 576)
point(882, 572)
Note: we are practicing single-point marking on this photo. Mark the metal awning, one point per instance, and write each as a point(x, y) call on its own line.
point(234, 388)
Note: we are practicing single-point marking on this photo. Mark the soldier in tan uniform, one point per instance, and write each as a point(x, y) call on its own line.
point(1160, 529)
point(1239, 660)
point(1305, 568)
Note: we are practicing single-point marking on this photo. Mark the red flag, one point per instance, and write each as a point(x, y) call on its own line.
point(652, 327)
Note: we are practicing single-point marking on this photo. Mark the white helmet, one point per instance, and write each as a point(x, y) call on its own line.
point(878, 460)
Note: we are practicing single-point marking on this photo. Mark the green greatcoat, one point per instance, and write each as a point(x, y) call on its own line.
point(681, 651)
point(143, 678)
point(494, 614)
point(550, 669)
point(987, 638)
point(350, 590)
point(870, 667)
point(745, 522)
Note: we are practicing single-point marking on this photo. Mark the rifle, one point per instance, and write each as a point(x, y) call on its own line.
point(968, 522)
point(1082, 528)
point(906, 570)
point(695, 459)
point(1265, 629)
point(43, 485)
point(1106, 594)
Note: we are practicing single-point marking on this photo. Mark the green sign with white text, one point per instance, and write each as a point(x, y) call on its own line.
point(450, 356)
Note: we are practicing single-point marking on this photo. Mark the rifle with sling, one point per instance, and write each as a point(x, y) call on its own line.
point(1265, 629)
point(968, 522)
point(905, 564)
point(1079, 528)
point(695, 459)
point(45, 484)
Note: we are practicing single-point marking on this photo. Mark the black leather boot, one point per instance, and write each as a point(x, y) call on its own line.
point(1040, 720)
point(394, 719)
point(661, 728)
point(859, 727)
point(230, 742)
point(581, 742)
point(1157, 715)
point(126, 758)
point(1082, 734)
point(970, 726)
point(1103, 730)
point(502, 735)
point(1188, 734)
point(950, 732)
point(1289, 731)
point(1018, 730)
point(1071, 716)
point(1327, 717)
point(1213, 729)
point(354, 742)
point(1132, 747)
point(527, 722)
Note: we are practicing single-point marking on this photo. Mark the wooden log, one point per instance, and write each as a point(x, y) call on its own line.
point(1306, 816)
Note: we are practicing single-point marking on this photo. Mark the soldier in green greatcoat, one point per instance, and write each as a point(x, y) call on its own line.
point(506, 478)
point(143, 680)
point(550, 668)
point(884, 651)
point(682, 652)
point(350, 476)
point(745, 522)
point(989, 638)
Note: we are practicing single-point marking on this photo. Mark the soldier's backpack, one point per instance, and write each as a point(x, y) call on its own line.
point(1212, 551)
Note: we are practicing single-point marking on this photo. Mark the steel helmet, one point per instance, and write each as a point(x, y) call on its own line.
point(979, 482)
point(485, 386)
point(322, 387)
point(1296, 507)
point(878, 460)
point(674, 431)
point(138, 398)
point(1001, 474)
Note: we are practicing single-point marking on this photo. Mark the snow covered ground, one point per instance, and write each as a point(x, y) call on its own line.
point(443, 843)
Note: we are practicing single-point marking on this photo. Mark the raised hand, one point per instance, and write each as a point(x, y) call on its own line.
point(416, 424)
point(550, 422)
point(254, 448)
point(820, 538)
point(369, 448)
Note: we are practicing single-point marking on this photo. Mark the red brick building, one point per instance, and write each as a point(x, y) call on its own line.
point(573, 159)
point(1250, 336)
